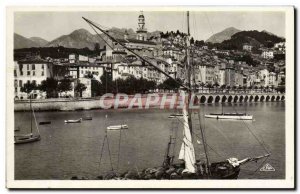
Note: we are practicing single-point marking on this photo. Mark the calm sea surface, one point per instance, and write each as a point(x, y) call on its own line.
point(67, 150)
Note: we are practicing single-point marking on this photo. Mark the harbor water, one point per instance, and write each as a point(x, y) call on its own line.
point(67, 150)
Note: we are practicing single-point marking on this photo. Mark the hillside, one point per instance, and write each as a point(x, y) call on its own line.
point(253, 37)
point(22, 42)
point(223, 35)
point(39, 41)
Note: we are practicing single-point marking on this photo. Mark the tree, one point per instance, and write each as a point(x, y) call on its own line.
point(228, 87)
point(80, 88)
point(170, 84)
point(96, 87)
point(216, 85)
point(64, 86)
point(209, 85)
point(50, 87)
point(202, 85)
point(192, 41)
point(97, 48)
point(28, 87)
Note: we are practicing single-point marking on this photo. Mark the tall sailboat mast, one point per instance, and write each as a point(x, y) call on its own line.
point(188, 68)
point(189, 75)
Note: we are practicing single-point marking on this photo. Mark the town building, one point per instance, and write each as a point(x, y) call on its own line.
point(247, 47)
point(31, 71)
point(267, 54)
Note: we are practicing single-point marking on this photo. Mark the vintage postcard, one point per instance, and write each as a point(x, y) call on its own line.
point(150, 97)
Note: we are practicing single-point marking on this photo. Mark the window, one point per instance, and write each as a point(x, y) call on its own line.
point(43, 66)
point(16, 89)
point(34, 82)
point(15, 72)
point(20, 83)
point(21, 72)
point(16, 83)
point(43, 73)
point(33, 73)
point(27, 66)
point(33, 66)
point(28, 72)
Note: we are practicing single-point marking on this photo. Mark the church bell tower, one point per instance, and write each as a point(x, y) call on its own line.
point(141, 31)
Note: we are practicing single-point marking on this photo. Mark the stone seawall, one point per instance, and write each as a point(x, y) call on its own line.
point(165, 101)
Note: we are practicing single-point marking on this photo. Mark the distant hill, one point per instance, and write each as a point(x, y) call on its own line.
point(22, 42)
point(80, 38)
point(223, 35)
point(40, 41)
point(253, 37)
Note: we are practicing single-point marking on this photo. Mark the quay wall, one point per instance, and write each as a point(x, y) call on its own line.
point(67, 104)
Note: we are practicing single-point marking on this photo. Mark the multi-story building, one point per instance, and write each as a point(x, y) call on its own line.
point(272, 79)
point(31, 71)
point(229, 76)
point(239, 79)
point(264, 77)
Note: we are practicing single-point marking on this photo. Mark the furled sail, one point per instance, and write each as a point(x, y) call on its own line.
point(187, 152)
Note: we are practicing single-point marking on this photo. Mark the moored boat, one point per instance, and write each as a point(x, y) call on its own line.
point(30, 137)
point(175, 115)
point(74, 121)
point(117, 127)
point(44, 122)
point(235, 116)
point(87, 118)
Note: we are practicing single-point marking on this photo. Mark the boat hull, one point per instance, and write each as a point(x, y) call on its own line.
point(29, 139)
point(234, 117)
point(73, 121)
point(117, 127)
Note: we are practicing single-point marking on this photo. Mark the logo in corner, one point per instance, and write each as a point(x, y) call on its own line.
point(267, 167)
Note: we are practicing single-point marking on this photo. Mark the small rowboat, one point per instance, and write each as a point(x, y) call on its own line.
point(234, 116)
point(117, 127)
point(44, 122)
point(74, 121)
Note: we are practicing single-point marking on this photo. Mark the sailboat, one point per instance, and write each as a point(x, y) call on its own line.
point(189, 167)
point(232, 115)
point(28, 138)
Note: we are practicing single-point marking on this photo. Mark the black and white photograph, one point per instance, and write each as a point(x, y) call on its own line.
point(150, 97)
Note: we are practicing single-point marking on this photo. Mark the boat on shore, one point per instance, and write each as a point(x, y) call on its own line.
point(74, 121)
point(117, 127)
point(235, 116)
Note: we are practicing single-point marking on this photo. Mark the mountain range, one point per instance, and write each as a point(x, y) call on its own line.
point(80, 38)
point(230, 38)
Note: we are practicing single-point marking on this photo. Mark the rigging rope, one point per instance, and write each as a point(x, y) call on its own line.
point(261, 143)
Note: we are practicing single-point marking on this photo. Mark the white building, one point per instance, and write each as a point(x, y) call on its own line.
point(31, 71)
point(268, 54)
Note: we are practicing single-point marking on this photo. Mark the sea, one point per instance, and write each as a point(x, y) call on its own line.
point(88, 150)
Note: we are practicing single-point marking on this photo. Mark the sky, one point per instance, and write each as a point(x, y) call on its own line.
point(51, 25)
